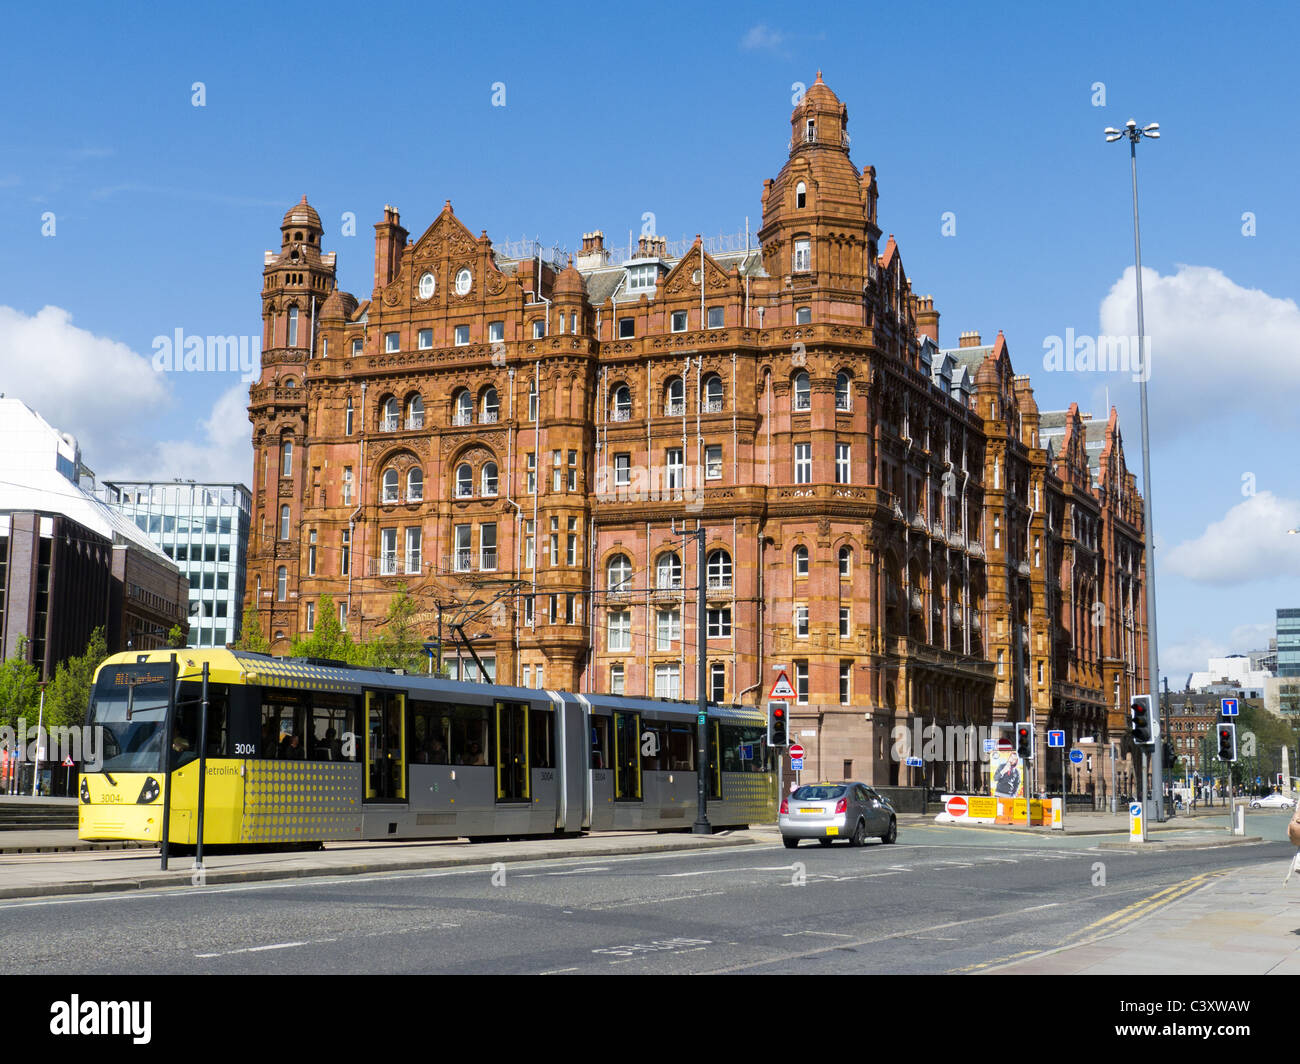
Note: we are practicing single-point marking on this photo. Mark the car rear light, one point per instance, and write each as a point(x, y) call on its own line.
point(842, 805)
point(785, 805)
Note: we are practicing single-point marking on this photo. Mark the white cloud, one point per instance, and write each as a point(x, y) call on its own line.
point(762, 38)
point(98, 389)
point(1249, 542)
point(111, 398)
point(1180, 660)
point(1217, 349)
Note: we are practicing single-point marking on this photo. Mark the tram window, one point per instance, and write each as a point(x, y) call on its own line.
point(715, 777)
point(284, 723)
point(600, 742)
point(654, 745)
point(540, 733)
point(185, 747)
point(743, 749)
point(333, 730)
point(430, 736)
point(470, 735)
point(681, 748)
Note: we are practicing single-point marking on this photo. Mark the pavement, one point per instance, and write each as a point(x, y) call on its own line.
point(1238, 922)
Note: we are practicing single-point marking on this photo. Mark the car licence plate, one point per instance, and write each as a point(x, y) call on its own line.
point(811, 810)
point(832, 831)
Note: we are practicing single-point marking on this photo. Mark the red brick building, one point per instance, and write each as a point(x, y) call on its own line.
point(532, 436)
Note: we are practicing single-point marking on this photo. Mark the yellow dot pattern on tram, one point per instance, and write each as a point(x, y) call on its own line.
point(300, 801)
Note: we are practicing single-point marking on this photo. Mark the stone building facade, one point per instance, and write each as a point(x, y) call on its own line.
point(520, 442)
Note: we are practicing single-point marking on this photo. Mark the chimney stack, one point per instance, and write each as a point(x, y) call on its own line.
point(969, 339)
point(593, 251)
point(927, 318)
point(390, 241)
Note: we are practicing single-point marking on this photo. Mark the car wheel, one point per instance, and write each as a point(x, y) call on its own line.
point(892, 834)
point(859, 836)
point(790, 844)
point(825, 842)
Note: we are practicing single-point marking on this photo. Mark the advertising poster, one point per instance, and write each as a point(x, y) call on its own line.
point(1006, 780)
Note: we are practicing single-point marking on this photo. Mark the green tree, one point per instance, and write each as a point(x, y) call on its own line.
point(67, 696)
point(328, 640)
point(399, 645)
point(252, 639)
point(19, 687)
point(176, 637)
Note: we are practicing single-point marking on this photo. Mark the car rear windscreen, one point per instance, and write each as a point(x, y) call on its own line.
point(816, 793)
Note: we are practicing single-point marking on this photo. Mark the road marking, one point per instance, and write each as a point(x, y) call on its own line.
point(1001, 860)
point(828, 934)
point(558, 971)
point(720, 871)
point(656, 901)
point(574, 872)
point(263, 949)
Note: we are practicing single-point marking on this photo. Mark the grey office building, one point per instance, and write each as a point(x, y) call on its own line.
point(204, 529)
point(1288, 643)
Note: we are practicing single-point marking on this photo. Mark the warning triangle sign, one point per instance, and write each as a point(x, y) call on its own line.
point(782, 688)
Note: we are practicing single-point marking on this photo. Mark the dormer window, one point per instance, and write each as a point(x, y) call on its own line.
point(801, 195)
point(642, 278)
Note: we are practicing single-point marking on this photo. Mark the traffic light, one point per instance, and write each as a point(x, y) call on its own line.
point(1227, 742)
point(778, 724)
point(1170, 757)
point(1139, 719)
point(1025, 741)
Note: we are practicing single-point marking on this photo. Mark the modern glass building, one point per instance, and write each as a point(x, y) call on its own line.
point(1288, 643)
point(204, 529)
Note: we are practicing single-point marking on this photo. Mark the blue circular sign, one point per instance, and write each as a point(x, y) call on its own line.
point(1076, 756)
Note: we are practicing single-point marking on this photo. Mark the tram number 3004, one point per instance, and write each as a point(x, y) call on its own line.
point(245, 750)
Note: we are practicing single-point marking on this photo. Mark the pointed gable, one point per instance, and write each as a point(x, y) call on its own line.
point(681, 278)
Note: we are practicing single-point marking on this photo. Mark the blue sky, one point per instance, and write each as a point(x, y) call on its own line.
point(161, 209)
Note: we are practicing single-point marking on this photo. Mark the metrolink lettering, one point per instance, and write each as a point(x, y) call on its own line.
point(55, 744)
point(79, 1017)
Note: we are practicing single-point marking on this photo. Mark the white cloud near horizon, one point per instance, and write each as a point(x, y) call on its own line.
point(110, 397)
point(1180, 660)
point(1217, 349)
point(762, 38)
point(1248, 543)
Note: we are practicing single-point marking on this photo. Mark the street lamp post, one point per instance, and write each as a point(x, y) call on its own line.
point(1133, 133)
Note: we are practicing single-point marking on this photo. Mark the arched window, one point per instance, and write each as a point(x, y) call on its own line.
point(415, 484)
point(620, 572)
point(491, 406)
point(622, 403)
point(489, 478)
point(286, 457)
point(464, 407)
point(675, 397)
point(842, 400)
point(464, 481)
point(668, 572)
point(390, 485)
point(415, 412)
point(281, 584)
point(801, 560)
point(290, 382)
point(392, 414)
point(846, 562)
point(293, 327)
point(801, 195)
point(719, 566)
point(348, 423)
point(532, 400)
point(284, 522)
point(713, 394)
point(802, 392)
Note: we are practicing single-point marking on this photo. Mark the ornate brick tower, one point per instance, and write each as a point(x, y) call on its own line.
point(296, 282)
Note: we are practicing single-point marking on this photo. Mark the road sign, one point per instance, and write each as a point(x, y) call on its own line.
point(956, 805)
point(796, 764)
point(68, 762)
point(1076, 756)
point(796, 752)
point(990, 745)
point(782, 689)
point(1056, 738)
point(1229, 707)
point(914, 762)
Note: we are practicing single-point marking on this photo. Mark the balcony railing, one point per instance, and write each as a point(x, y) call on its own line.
point(390, 423)
point(620, 414)
point(388, 564)
point(675, 409)
point(463, 417)
point(713, 406)
point(489, 417)
point(462, 560)
point(415, 421)
point(488, 559)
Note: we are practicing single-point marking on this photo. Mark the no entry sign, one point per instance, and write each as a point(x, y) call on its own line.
point(956, 806)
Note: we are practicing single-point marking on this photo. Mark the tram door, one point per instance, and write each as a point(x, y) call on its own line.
point(512, 752)
point(627, 756)
point(385, 746)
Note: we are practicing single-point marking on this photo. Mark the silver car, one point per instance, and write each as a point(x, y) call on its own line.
point(830, 811)
point(1272, 801)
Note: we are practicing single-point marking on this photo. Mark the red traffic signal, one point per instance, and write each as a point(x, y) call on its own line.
point(778, 730)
